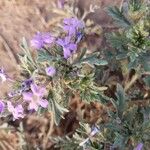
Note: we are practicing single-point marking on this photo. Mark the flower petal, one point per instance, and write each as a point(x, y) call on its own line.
point(60, 42)
point(2, 105)
point(10, 106)
point(3, 77)
point(19, 108)
point(36, 44)
point(43, 103)
point(28, 96)
point(35, 89)
point(73, 47)
point(67, 40)
point(50, 71)
point(47, 38)
point(42, 91)
point(67, 53)
point(139, 146)
point(33, 105)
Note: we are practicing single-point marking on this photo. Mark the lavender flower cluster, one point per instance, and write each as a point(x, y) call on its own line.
point(73, 29)
point(33, 95)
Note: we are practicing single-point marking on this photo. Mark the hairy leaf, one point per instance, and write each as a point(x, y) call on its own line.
point(119, 17)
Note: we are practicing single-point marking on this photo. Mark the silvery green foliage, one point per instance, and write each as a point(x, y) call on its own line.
point(128, 124)
point(73, 75)
point(132, 40)
point(76, 72)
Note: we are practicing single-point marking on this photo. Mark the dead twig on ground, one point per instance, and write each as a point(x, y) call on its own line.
point(9, 50)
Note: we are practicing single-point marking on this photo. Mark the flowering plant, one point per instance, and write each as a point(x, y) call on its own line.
point(81, 98)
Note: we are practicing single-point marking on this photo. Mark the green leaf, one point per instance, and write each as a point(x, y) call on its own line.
point(57, 110)
point(146, 113)
point(146, 65)
point(107, 99)
point(119, 141)
point(27, 52)
point(24, 44)
point(147, 81)
point(56, 98)
point(133, 55)
point(112, 127)
point(133, 65)
point(130, 116)
point(135, 4)
point(91, 60)
point(43, 55)
point(95, 61)
point(121, 56)
point(119, 17)
point(27, 61)
point(146, 125)
point(118, 40)
point(83, 52)
point(120, 94)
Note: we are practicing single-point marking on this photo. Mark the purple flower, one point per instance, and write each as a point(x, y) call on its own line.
point(68, 46)
point(35, 98)
point(94, 131)
point(79, 36)
point(26, 84)
point(139, 146)
point(2, 75)
point(17, 111)
point(15, 93)
point(72, 25)
point(41, 39)
point(2, 106)
point(50, 71)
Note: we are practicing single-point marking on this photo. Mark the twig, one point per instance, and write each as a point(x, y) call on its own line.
point(134, 78)
point(9, 50)
point(45, 141)
point(121, 4)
